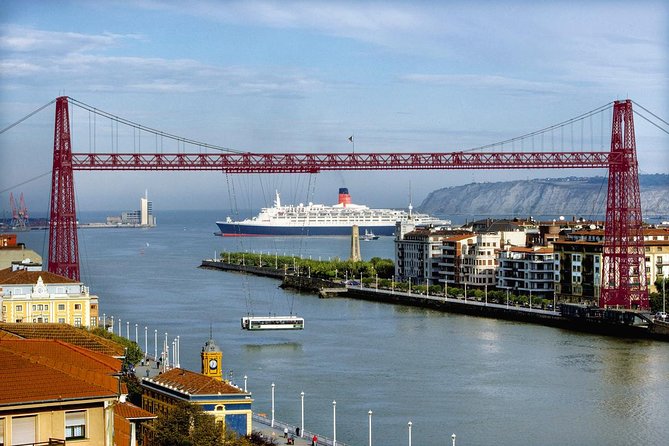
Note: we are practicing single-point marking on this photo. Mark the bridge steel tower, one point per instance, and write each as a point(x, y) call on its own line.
point(624, 280)
point(63, 243)
point(624, 273)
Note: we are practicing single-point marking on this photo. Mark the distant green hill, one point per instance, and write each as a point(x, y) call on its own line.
point(573, 196)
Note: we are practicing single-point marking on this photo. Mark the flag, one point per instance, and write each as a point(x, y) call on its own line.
point(350, 138)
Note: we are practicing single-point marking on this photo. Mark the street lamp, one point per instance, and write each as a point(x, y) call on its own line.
point(302, 424)
point(334, 423)
point(453, 439)
point(245, 378)
point(272, 424)
point(409, 424)
point(370, 427)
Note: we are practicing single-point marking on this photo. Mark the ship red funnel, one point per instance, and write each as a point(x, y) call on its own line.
point(344, 197)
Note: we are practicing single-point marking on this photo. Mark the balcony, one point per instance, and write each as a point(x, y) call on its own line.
point(51, 442)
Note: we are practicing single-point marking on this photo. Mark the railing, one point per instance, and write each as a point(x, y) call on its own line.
point(51, 442)
point(279, 425)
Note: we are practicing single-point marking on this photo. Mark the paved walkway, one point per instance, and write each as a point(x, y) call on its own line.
point(262, 424)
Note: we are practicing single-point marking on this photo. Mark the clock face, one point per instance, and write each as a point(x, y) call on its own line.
point(213, 364)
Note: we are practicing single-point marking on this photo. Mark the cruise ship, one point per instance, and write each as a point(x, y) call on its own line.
point(319, 219)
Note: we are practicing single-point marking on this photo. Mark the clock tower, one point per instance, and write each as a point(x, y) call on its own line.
point(212, 358)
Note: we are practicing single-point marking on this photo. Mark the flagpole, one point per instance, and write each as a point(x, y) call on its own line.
point(350, 138)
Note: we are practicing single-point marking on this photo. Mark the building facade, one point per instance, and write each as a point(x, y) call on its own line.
point(228, 404)
point(418, 255)
point(530, 271)
point(28, 294)
point(62, 403)
point(580, 260)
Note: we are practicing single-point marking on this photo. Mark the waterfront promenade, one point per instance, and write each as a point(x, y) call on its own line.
point(261, 423)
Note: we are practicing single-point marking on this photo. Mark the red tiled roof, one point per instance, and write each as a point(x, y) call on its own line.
point(64, 332)
point(129, 411)
point(26, 377)
point(194, 383)
point(539, 250)
point(86, 359)
point(457, 238)
point(20, 277)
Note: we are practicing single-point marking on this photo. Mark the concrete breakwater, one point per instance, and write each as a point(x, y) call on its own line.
point(471, 307)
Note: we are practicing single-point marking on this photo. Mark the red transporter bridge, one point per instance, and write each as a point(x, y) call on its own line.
point(623, 253)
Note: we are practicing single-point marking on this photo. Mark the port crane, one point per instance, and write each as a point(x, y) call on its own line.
point(19, 213)
point(624, 283)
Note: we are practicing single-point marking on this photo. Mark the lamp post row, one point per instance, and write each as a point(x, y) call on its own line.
point(334, 419)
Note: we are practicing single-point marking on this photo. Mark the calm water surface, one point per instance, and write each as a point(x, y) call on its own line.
point(488, 381)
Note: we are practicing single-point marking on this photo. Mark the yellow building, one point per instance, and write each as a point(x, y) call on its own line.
point(52, 392)
point(229, 404)
point(29, 294)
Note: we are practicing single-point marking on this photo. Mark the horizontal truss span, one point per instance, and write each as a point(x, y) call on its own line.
point(316, 162)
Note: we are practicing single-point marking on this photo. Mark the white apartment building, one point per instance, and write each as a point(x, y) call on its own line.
point(531, 271)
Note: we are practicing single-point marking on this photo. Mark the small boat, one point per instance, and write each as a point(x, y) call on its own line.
point(369, 235)
point(272, 323)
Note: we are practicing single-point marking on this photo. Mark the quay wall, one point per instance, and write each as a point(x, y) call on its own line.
point(450, 305)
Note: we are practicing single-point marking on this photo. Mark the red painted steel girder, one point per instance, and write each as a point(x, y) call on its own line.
point(317, 162)
point(63, 243)
point(623, 254)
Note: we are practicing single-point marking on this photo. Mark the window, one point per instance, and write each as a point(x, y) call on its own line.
point(2, 431)
point(23, 430)
point(61, 320)
point(46, 307)
point(75, 425)
point(19, 308)
point(77, 322)
point(77, 306)
point(61, 307)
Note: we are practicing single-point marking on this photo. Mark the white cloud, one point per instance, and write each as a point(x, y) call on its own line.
point(483, 81)
point(80, 59)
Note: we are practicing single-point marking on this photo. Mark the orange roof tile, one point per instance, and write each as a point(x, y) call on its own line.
point(457, 238)
point(49, 378)
point(194, 383)
point(67, 333)
point(7, 276)
point(86, 359)
point(129, 411)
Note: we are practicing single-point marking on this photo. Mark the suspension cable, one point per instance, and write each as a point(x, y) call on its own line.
point(544, 130)
point(178, 139)
point(654, 115)
point(26, 117)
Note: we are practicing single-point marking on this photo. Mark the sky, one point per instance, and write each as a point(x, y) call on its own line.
point(304, 76)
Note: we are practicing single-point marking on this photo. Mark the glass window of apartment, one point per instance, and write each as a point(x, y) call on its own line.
point(61, 307)
point(77, 306)
point(19, 308)
point(75, 425)
point(77, 322)
point(61, 320)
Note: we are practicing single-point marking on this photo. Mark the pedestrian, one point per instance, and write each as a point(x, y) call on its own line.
point(285, 432)
point(314, 441)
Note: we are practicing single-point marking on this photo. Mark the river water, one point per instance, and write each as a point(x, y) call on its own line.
point(487, 381)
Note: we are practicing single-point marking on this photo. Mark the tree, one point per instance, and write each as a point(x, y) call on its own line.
point(186, 424)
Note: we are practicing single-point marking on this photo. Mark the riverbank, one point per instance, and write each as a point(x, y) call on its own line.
point(617, 323)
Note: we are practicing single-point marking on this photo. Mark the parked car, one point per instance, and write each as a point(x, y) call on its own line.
point(661, 315)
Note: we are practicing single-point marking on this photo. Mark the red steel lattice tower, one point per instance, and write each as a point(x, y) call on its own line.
point(624, 280)
point(63, 243)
